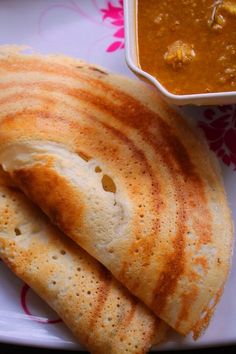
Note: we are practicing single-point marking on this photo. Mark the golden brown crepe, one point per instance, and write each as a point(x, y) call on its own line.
point(124, 176)
point(99, 311)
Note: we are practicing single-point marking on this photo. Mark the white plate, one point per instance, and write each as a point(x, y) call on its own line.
point(93, 30)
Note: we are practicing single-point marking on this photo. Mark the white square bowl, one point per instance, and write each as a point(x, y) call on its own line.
point(131, 53)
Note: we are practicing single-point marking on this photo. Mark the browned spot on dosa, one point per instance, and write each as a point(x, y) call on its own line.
point(51, 195)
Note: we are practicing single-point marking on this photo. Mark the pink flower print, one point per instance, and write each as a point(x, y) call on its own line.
point(25, 306)
point(115, 14)
point(220, 130)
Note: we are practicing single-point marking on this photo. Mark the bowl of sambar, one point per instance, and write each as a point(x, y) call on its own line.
point(185, 48)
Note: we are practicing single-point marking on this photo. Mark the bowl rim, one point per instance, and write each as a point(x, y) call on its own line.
point(130, 44)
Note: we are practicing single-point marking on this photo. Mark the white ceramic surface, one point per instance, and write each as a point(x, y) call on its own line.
point(132, 61)
point(94, 30)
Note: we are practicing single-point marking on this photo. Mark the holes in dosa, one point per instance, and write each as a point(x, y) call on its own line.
point(17, 231)
point(108, 184)
point(83, 156)
point(98, 169)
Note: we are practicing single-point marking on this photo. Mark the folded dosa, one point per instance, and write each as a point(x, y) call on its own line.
point(124, 176)
point(99, 311)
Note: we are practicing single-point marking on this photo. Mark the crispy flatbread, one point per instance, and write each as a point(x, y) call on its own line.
point(124, 176)
point(98, 310)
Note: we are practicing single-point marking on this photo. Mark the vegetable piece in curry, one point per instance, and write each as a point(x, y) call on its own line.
point(189, 45)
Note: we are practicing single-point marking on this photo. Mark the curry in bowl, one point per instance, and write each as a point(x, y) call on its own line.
point(189, 46)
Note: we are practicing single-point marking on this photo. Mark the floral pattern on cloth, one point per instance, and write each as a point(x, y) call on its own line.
point(109, 14)
point(219, 127)
point(115, 14)
point(25, 304)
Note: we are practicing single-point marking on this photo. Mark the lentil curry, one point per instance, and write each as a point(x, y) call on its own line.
point(189, 45)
